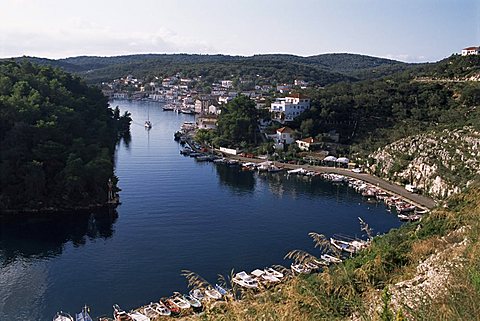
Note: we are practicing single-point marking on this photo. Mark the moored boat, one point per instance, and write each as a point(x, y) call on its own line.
point(212, 293)
point(330, 259)
point(300, 268)
point(180, 301)
point(197, 294)
point(137, 316)
point(194, 302)
point(245, 280)
point(120, 315)
point(83, 315)
point(62, 316)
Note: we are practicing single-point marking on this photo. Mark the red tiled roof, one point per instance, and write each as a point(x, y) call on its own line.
point(471, 48)
point(284, 130)
point(309, 140)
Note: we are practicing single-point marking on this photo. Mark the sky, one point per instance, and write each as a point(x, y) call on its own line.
point(405, 30)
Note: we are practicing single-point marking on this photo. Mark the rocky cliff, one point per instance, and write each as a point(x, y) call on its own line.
point(439, 163)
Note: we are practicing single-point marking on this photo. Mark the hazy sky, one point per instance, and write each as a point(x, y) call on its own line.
point(407, 30)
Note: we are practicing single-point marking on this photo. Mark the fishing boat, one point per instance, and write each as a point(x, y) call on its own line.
point(300, 268)
point(137, 316)
point(161, 308)
point(299, 171)
point(83, 315)
point(148, 124)
point(330, 259)
point(194, 302)
point(174, 310)
point(264, 277)
point(245, 280)
point(212, 293)
point(120, 315)
point(151, 312)
point(180, 301)
point(62, 316)
point(197, 294)
point(348, 246)
point(274, 169)
point(273, 272)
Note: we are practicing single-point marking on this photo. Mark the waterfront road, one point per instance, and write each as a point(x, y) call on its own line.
point(397, 190)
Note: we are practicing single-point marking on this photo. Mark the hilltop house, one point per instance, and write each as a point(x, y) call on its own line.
point(471, 51)
point(286, 109)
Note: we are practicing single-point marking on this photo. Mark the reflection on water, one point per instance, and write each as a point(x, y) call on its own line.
point(44, 236)
point(238, 180)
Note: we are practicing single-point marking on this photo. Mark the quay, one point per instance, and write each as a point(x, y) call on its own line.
point(396, 190)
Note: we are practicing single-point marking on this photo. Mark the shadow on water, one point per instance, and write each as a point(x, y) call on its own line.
point(44, 236)
point(236, 179)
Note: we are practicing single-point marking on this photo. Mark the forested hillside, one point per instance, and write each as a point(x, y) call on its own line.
point(321, 69)
point(57, 138)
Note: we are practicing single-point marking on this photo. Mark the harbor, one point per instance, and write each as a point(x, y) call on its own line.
point(200, 216)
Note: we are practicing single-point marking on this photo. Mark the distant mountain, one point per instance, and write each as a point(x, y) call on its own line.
point(322, 69)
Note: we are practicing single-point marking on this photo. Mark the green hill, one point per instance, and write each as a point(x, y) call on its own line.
point(57, 139)
point(321, 69)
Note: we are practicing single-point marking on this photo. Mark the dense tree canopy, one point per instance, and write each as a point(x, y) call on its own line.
point(57, 138)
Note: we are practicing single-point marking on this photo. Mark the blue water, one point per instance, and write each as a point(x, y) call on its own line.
point(176, 214)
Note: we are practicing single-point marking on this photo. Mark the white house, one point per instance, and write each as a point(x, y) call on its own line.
point(307, 144)
point(227, 83)
point(283, 137)
point(286, 109)
point(471, 51)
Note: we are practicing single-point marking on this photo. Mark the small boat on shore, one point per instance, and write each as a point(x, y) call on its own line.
point(297, 171)
point(178, 300)
point(120, 315)
point(194, 302)
point(349, 246)
point(245, 280)
point(212, 293)
point(62, 316)
point(273, 272)
point(330, 259)
point(197, 294)
point(300, 268)
point(137, 316)
point(174, 310)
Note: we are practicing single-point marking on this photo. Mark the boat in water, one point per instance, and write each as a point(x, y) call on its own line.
point(194, 302)
point(83, 316)
point(148, 124)
point(330, 259)
point(137, 316)
point(213, 294)
point(62, 316)
point(120, 315)
point(300, 268)
point(180, 301)
point(245, 280)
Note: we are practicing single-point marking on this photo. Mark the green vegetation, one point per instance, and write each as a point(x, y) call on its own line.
point(261, 69)
point(371, 113)
point(57, 139)
point(237, 125)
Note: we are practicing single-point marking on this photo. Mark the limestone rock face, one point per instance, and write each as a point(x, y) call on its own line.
point(439, 163)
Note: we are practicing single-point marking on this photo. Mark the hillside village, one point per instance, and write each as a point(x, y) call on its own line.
point(282, 103)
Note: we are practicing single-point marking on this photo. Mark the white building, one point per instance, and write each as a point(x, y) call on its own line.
point(286, 109)
point(283, 137)
point(471, 51)
point(227, 83)
point(307, 144)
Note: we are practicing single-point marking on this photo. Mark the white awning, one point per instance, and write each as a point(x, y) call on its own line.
point(343, 160)
point(330, 159)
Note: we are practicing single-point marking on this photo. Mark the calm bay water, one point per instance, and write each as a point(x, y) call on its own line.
point(176, 214)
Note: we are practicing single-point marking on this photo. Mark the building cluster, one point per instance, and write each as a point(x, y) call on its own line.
point(195, 96)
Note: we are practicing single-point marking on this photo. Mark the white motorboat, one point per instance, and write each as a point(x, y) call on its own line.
point(212, 293)
point(84, 315)
point(194, 302)
point(349, 246)
point(62, 316)
point(245, 280)
point(300, 268)
point(330, 259)
point(273, 272)
point(137, 316)
point(151, 312)
point(161, 308)
point(299, 171)
point(197, 294)
point(178, 300)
